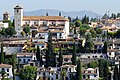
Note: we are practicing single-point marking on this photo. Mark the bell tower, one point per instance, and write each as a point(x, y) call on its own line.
point(18, 17)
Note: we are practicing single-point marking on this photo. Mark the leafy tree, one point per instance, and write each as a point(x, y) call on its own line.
point(26, 29)
point(23, 33)
point(82, 31)
point(10, 31)
point(115, 76)
point(93, 33)
point(86, 26)
point(78, 23)
point(92, 64)
point(105, 48)
point(98, 31)
point(111, 34)
point(105, 16)
point(74, 55)
point(89, 43)
point(69, 18)
point(3, 32)
point(60, 57)
point(28, 73)
point(79, 71)
point(9, 22)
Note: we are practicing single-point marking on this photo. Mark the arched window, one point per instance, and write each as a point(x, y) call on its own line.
point(17, 10)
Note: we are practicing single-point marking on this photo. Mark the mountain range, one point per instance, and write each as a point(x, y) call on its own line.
point(53, 12)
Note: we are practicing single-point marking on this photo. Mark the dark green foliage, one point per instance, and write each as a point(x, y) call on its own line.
point(74, 56)
point(10, 31)
point(118, 15)
point(79, 71)
point(119, 72)
point(93, 33)
point(39, 55)
point(2, 54)
point(103, 69)
point(85, 20)
point(92, 64)
point(98, 31)
point(105, 48)
point(13, 65)
point(113, 16)
point(26, 29)
point(82, 31)
point(86, 26)
point(93, 20)
point(28, 73)
point(60, 60)
point(115, 76)
point(89, 43)
point(105, 16)
point(9, 22)
point(50, 55)
point(78, 23)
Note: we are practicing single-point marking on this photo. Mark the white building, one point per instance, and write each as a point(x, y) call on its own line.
point(3, 25)
point(56, 24)
point(24, 58)
point(7, 69)
point(90, 74)
point(49, 73)
point(117, 22)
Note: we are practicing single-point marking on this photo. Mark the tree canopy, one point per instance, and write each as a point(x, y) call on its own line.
point(28, 73)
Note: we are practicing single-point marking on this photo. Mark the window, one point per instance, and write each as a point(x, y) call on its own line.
point(28, 59)
point(56, 76)
point(88, 56)
point(19, 59)
point(42, 46)
point(2, 69)
point(17, 10)
point(94, 75)
point(24, 60)
point(7, 70)
point(83, 76)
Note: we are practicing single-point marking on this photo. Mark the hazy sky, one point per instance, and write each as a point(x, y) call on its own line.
point(99, 6)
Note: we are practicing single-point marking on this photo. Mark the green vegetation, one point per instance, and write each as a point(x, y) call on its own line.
point(26, 29)
point(74, 56)
point(79, 71)
point(28, 73)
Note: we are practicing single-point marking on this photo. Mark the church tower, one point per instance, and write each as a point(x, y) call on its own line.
point(18, 17)
point(6, 16)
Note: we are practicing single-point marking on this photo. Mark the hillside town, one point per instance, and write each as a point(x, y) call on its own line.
point(59, 47)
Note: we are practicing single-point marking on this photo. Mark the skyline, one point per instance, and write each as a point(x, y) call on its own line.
point(99, 7)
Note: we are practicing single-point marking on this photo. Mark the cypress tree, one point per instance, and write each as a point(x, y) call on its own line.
point(50, 56)
point(2, 59)
point(115, 76)
point(60, 57)
point(119, 72)
point(14, 64)
point(74, 55)
point(38, 53)
point(105, 48)
point(79, 71)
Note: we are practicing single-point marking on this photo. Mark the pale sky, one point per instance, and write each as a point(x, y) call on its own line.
point(98, 6)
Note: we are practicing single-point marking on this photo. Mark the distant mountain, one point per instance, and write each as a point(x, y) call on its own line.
point(53, 12)
point(0, 18)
